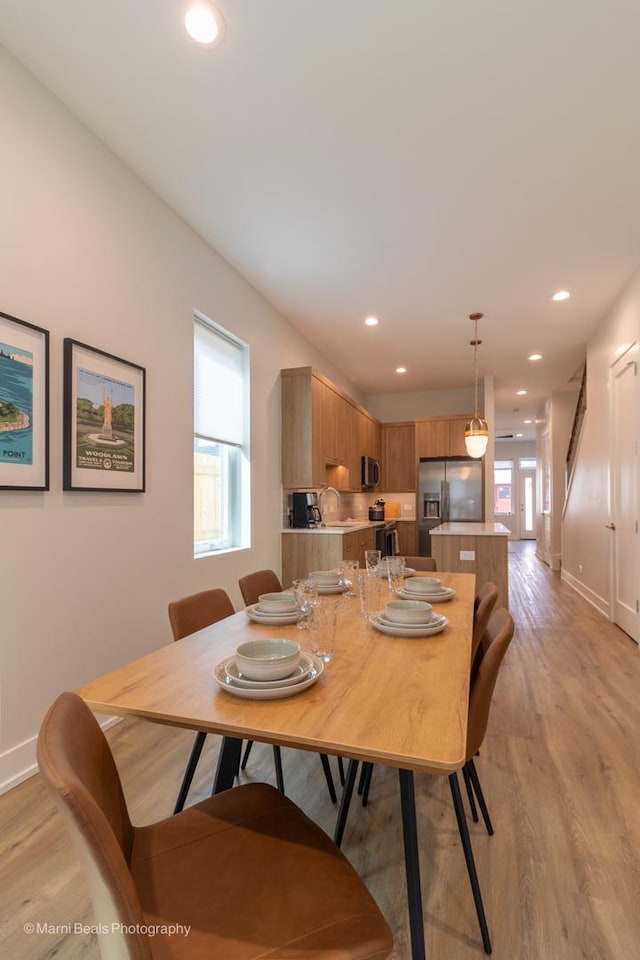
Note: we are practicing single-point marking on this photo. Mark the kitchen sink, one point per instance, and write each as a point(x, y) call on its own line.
point(345, 523)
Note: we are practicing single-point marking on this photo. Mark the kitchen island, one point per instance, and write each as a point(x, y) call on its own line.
point(479, 548)
point(323, 547)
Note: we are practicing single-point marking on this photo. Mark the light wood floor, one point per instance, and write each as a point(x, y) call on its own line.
point(560, 769)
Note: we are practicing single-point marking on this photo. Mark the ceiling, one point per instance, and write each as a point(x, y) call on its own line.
point(411, 159)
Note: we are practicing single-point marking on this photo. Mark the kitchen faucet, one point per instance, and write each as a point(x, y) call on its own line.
point(322, 493)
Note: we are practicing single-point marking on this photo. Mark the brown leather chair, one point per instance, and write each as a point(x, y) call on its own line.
point(239, 876)
point(187, 615)
point(498, 633)
point(496, 639)
point(423, 564)
point(197, 611)
point(254, 584)
point(486, 599)
point(251, 587)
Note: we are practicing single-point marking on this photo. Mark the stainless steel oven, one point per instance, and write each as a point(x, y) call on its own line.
point(387, 539)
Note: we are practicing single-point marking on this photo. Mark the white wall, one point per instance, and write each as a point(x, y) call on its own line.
point(586, 541)
point(87, 251)
point(398, 407)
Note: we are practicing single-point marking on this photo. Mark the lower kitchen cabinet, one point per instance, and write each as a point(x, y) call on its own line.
point(355, 544)
point(408, 538)
point(306, 551)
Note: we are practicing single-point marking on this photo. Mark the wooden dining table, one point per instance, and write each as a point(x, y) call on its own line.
point(399, 701)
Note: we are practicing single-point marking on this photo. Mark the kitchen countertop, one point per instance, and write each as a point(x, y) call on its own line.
point(340, 528)
point(460, 529)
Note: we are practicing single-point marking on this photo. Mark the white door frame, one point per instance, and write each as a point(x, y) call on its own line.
point(625, 537)
point(523, 473)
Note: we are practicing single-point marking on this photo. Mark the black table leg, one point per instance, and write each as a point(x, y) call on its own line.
point(412, 864)
point(345, 801)
point(228, 764)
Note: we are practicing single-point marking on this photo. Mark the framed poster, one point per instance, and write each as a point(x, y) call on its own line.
point(104, 421)
point(24, 405)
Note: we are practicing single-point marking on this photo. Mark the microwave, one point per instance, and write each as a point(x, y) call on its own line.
point(370, 472)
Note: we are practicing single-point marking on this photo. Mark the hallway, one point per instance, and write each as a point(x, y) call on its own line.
point(561, 773)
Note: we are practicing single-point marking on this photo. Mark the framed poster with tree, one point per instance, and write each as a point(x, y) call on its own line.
point(104, 421)
point(24, 405)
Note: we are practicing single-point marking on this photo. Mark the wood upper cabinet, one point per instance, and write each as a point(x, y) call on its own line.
point(441, 437)
point(303, 412)
point(399, 463)
point(369, 436)
point(456, 437)
point(321, 432)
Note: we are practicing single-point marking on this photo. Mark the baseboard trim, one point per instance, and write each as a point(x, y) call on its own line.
point(552, 560)
point(601, 605)
point(19, 763)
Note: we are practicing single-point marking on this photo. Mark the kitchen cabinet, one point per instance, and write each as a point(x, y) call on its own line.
point(407, 538)
point(399, 465)
point(355, 544)
point(303, 412)
point(369, 436)
point(322, 432)
point(441, 437)
point(480, 548)
point(314, 550)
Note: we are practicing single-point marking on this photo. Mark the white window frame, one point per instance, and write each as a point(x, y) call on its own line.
point(510, 466)
point(236, 494)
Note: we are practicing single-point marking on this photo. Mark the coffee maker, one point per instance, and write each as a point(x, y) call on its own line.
point(306, 512)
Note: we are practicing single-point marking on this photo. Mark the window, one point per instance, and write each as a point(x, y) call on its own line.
point(503, 487)
point(221, 439)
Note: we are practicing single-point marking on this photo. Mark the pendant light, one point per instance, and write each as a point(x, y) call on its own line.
point(476, 432)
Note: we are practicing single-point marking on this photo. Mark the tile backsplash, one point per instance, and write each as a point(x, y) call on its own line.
point(355, 506)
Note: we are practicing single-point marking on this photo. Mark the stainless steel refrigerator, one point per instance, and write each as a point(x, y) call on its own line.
point(448, 490)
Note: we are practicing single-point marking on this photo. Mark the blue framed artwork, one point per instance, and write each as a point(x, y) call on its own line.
point(24, 405)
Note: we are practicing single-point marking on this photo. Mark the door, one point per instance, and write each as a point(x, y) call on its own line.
point(527, 500)
point(625, 396)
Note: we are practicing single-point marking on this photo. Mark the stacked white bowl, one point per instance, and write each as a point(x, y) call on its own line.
point(409, 612)
point(277, 602)
point(325, 578)
point(423, 586)
point(271, 659)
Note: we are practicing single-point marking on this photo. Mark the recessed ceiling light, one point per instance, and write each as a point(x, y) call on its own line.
point(520, 393)
point(527, 421)
point(535, 356)
point(204, 24)
point(561, 295)
point(519, 434)
point(371, 322)
point(401, 369)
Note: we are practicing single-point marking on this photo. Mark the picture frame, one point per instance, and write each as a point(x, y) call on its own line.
point(24, 405)
point(104, 414)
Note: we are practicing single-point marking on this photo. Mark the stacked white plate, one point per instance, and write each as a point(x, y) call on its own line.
point(440, 596)
point(254, 613)
point(435, 624)
point(229, 678)
point(333, 588)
